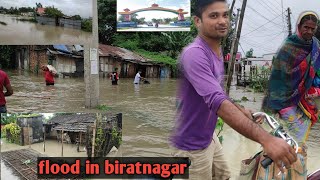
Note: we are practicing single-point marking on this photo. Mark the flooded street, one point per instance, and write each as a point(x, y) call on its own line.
point(23, 32)
point(32, 95)
point(148, 114)
point(149, 111)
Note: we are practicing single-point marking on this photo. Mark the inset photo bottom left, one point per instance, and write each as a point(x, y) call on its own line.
point(25, 137)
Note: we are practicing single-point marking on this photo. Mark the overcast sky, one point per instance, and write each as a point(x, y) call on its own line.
point(68, 7)
point(269, 37)
point(138, 4)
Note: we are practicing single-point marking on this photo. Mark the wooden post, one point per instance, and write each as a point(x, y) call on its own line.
point(94, 137)
point(62, 142)
point(29, 139)
point(44, 140)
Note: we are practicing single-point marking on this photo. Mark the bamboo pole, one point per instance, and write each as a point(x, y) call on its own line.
point(44, 140)
point(29, 139)
point(62, 143)
point(94, 137)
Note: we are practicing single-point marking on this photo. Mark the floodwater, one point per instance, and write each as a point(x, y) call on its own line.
point(148, 113)
point(23, 32)
point(32, 95)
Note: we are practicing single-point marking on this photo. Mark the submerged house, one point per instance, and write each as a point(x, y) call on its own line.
point(65, 21)
point(129, 63)
point(78, 128)
point(67, 59)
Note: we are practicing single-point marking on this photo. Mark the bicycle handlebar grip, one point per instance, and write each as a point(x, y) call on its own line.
point(266, 162)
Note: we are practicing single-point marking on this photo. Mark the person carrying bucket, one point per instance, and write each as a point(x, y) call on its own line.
point(49, 73)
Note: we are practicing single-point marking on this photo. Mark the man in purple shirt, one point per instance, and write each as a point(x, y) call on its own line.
point(202, 100)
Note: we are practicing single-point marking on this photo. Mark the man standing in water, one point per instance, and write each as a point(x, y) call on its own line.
point(137, 78)
point(4, 82)
point(202, 100)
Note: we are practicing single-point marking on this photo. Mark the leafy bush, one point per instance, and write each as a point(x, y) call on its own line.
point(12, 132)
point(86, 25)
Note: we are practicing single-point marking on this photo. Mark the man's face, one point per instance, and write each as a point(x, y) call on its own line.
point(215, 21)
point(308, 29)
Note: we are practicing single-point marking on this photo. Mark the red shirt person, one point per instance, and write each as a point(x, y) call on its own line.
point(4, 82)
point(49, 77)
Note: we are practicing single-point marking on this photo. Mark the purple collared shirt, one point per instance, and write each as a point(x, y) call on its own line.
point(200, 95)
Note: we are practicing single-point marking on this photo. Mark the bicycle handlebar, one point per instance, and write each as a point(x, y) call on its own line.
point(279, 132)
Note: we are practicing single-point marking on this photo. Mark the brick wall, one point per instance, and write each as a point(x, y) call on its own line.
point(38, 57)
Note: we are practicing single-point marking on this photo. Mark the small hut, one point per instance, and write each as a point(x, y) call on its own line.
point(79, 128)
point(31, 128)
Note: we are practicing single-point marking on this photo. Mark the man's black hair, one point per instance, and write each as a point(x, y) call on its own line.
point(201, 5)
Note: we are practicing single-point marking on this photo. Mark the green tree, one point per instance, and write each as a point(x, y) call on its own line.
point(142, 20)
point(7, 56)
point(86, 25)
point(39, 5)
point(121, 18)
point(53, 12)
point(154, 20)
point(76, 17)
point(8, 118)
point(134, 18)
point(175, 19)
point(176, 41)
point(167, 20)
point(249, 53)
point(107, 10)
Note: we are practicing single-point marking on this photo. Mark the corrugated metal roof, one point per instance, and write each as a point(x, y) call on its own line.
point(68, 51)
point(78, 122)
point(124, 54)
point(75, 127)
point(78, 48)
point(62, 48)
point(71, 118)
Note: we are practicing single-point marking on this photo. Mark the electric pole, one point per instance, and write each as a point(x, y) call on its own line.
point(91, 63)
point(231, 8)
point(235, 45)
point(289, 22)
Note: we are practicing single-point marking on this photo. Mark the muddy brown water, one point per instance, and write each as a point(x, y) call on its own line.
point(149, 111)
point(148, 114)
point(32, 95)
point(23, 32)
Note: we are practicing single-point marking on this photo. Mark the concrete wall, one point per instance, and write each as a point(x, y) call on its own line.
point(68, 23)
point(35, 129)
point(64, 64)
point(46, 20)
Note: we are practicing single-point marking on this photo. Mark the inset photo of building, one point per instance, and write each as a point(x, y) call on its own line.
point(45, 22)
point(142, 15)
